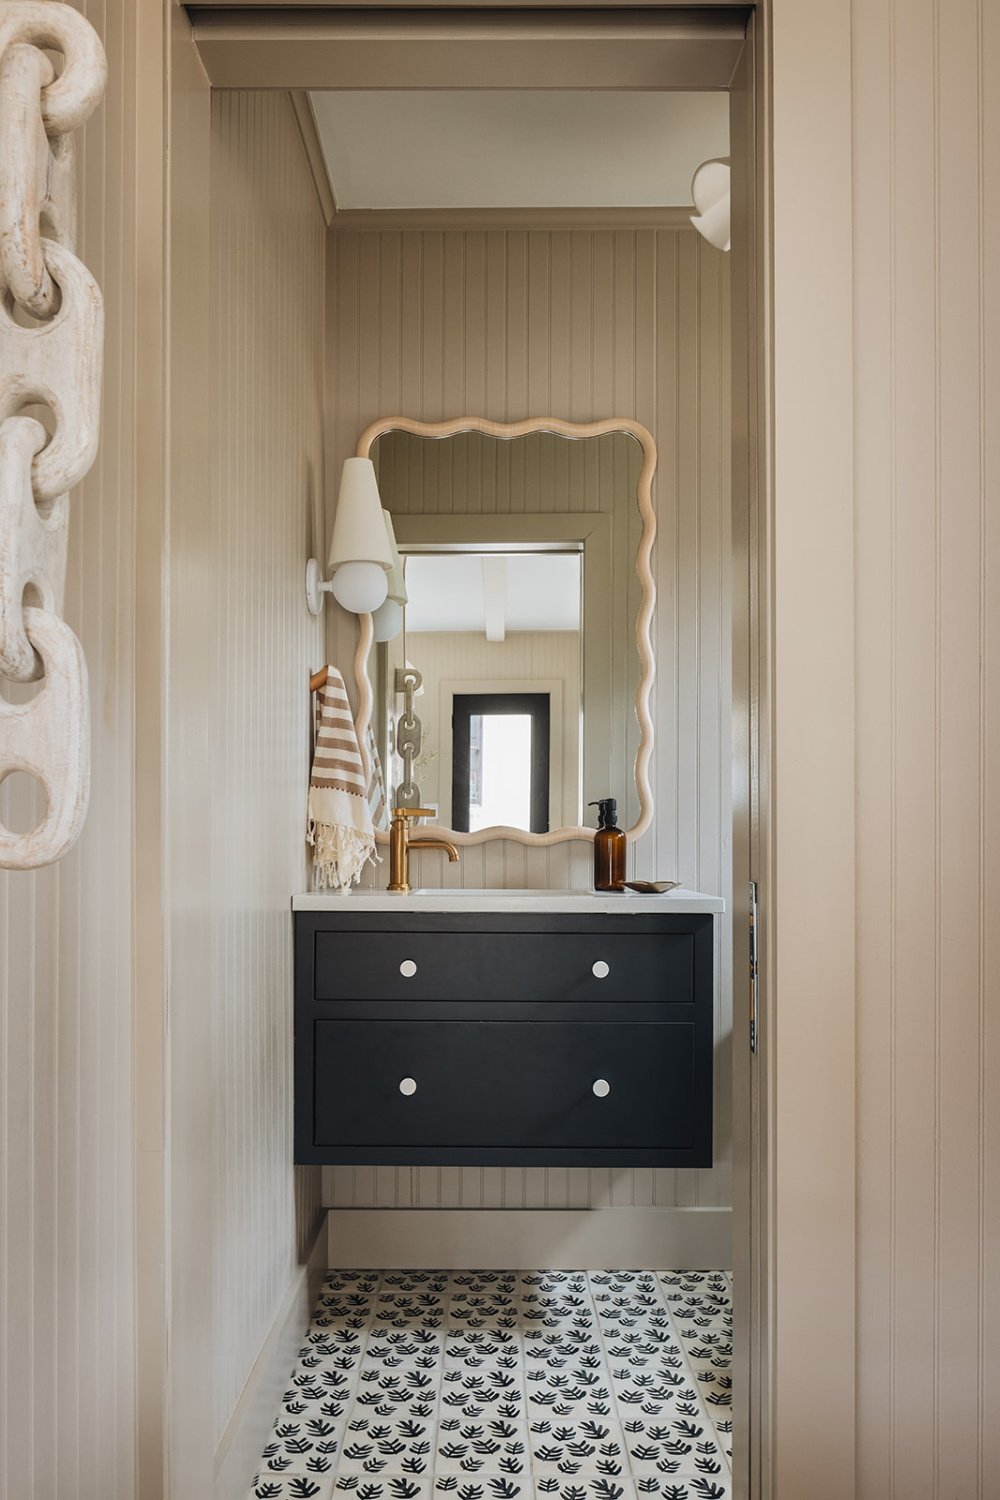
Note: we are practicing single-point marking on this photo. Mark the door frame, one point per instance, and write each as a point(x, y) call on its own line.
point(794, 1210)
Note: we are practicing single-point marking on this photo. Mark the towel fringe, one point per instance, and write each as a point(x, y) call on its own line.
point(341, 854)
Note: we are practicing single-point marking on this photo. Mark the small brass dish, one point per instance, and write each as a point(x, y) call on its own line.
point(652, 887)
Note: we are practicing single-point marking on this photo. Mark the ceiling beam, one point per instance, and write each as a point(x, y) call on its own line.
point(323, 47)
point(495, 597)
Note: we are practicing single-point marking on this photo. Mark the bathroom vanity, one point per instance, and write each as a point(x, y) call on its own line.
point(535, 1028)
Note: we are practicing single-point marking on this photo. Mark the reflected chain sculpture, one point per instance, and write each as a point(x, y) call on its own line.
point(51, 344)
point(409, 736)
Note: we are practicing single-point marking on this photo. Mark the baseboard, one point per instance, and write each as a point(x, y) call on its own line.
point(247, 1431)
point(521, 1239)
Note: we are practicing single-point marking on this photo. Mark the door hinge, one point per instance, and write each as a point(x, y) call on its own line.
point(753, 966)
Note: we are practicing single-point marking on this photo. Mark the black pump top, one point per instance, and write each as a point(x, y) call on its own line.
point(607, 812)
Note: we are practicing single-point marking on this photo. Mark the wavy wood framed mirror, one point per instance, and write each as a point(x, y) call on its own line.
point(469, 492)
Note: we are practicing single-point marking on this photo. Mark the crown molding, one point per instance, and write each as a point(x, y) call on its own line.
point(511, 218)
point(305, 117)
point(323, 47)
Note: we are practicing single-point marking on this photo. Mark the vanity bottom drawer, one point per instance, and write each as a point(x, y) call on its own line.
point(503, 1090)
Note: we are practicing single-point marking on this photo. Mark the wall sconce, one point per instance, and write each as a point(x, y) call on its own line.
point(710, 191)
point(360, 556)
point(387, 621)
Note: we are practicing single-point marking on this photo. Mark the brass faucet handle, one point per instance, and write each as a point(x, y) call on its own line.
point(413, 812)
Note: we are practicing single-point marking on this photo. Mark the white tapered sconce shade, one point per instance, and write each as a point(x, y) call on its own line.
point(387, 620)
point(360, 557)
point(359, 533)
point(710, 189)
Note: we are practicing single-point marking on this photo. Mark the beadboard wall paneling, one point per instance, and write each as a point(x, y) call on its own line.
point(266, 294)
point(927, 337)
point(67, 1379)
point(581, 325)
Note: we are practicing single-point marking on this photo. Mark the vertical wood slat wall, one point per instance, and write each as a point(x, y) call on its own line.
point(267, 273)
point(67, 1380)
point(927, 337)
point(580, 325)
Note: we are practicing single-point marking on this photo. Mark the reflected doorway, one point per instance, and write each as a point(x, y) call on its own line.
point(500, 761)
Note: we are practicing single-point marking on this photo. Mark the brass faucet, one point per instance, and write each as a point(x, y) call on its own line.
point(400, 845)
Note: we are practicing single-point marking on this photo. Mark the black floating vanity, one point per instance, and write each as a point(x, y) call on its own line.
point(580, 1036)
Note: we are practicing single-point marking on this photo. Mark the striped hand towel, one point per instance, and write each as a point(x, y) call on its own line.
point(340, 822)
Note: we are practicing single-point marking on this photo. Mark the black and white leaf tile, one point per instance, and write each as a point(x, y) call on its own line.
point(509, 1385)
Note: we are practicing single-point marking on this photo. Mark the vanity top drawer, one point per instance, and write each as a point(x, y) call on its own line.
point(523, 966)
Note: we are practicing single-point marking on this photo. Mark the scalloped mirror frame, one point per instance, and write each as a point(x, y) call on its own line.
point(644, 497)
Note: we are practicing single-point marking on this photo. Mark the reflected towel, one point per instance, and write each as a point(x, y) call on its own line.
point(376, 785)
point(340, 821)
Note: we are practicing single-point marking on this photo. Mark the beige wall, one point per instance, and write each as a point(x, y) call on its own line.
point(145, 981)
point(68, 1284)
point(927, 426)
point(238, 644)
point(266, 374)
point(581, 325)
point(805, 1192)
point(881, 971)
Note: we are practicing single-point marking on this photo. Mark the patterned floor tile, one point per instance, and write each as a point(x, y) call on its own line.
point(490, 1385)
point(584, 1487)
point(385, 1486)
point(573, 1448)
point(484, 1486)
point(478, 1448)
point(410, 1281)
point(291, 1487)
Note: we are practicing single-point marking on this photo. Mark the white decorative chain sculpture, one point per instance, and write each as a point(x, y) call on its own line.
point(51, 336)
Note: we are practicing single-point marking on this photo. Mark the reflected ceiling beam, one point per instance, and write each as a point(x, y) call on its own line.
point(495, 597)
point(325, 47)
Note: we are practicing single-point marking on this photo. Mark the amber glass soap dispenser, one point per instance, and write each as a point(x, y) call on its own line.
point(609, 848)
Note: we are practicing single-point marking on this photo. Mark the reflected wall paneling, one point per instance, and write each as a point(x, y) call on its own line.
point(579, 324)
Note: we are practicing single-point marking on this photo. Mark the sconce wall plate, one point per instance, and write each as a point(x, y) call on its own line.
point(315, 587)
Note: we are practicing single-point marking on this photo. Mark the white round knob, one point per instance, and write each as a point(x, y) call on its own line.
point(602, 1088)
point(407, 968)
point(408, 1086)
point(601, 970)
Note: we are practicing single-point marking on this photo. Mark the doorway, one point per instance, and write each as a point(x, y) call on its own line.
point(742, 838)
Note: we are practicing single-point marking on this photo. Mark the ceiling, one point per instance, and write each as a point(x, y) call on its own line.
point(507, 148)
point(532, 591)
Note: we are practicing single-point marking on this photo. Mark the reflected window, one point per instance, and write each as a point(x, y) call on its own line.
point(500, 761)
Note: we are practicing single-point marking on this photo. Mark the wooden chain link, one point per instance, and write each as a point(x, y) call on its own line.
point(51, 344)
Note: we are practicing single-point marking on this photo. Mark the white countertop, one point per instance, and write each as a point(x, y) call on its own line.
point(629, 904)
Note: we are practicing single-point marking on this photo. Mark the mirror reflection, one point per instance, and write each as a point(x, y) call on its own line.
point(496, 638)
point(523, 599)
